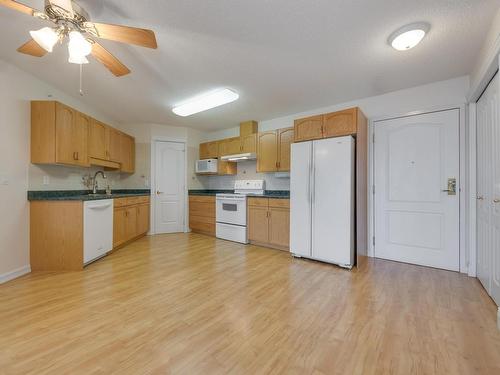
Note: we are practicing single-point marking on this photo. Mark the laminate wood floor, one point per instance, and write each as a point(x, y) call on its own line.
point(191, 304)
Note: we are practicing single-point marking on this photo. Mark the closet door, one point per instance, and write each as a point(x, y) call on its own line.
point(486, 174)
point(495, 190)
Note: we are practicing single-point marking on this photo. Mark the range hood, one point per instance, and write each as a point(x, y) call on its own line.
point(240, 157)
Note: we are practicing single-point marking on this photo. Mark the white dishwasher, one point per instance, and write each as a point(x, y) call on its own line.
point(97, 229)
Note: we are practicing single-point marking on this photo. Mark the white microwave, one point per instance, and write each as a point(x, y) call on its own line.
point(206, 166)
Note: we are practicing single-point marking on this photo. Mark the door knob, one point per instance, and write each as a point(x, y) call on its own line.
point(452, 187)
point(480, 198)
point(496, 200)
point(159, 192)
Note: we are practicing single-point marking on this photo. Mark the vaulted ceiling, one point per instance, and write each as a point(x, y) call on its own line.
point(281, 56)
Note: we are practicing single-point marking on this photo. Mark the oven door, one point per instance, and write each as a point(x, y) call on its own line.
point(231, 210)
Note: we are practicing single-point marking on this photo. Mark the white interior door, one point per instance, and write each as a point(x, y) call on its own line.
point(415, 220)
point(170, 189)
point(488, 189)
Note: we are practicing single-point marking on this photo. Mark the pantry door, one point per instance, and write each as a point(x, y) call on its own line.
point(170, 191)
point(417, 189)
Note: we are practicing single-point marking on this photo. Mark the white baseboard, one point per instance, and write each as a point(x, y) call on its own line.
point(14, 274)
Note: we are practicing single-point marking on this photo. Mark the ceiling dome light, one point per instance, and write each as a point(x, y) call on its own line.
point(78, 48)
point(408, 36)
point(46, 38)
point(208, 101)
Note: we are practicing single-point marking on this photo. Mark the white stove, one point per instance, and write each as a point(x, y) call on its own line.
point(231, 210)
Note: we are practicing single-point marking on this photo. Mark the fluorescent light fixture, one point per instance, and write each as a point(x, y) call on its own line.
point(207, 101)
point(45, 38)
point(78, 48)
point(408, 36)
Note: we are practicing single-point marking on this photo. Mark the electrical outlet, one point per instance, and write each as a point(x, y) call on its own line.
point(46, 180)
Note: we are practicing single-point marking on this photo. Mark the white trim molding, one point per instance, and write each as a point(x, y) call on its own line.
point(14, 274)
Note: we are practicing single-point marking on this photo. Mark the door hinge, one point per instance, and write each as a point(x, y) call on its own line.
point(373, 138)
point(373, 189)
point(373, 240)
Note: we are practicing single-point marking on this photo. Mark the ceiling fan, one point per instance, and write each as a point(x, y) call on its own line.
point(72, 21)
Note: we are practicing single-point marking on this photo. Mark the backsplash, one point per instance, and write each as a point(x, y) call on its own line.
point(246, 171)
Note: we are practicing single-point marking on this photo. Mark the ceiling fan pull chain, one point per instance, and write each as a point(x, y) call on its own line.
point(81, 79)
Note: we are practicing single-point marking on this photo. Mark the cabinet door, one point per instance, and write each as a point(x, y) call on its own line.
point(267, 152)
point(114, 139)
point(285, 140)
point(232, 146)
point(65, 118)
point(80, 138)
point(127, 153)
point(130, 223)
point(97, 140)
point(279, 226)
point(142, 219)
point(119, 226)
point(308, 128)
point(249, 143)
point(258, 224)
point(209, 150)
point(340, 123)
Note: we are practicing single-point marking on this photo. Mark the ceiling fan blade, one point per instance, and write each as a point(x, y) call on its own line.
point(32, 48)
point(112, 63)
point(125, 34)
point(65, 5)
point(18, 6)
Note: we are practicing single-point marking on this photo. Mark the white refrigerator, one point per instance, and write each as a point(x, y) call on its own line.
point(322, 200)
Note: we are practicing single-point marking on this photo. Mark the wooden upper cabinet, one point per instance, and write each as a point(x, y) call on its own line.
point(248, 127)
point(114, 145)
point(71, 134)
point(231, 146)
point(249, 143)
point(308, 128)
point(97, 140)
point(127, 153)
point(285, 140)
point(267, 152)
point(63, 135)
point(340, 123)
point(209, 150)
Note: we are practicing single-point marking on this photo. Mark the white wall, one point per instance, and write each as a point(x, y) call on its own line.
point(439, 94)
point(143, 134)
point(487, 62)
point(17, 89)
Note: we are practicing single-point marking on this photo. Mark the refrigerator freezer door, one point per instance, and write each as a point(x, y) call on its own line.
point(300, 199)
point(333, 201)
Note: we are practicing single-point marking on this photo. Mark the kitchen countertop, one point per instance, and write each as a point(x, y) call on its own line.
point(278, 194)
point(83, 195)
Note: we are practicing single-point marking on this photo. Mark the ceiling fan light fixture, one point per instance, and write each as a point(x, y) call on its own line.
point(45, 37)
point(78, 44)
point(77, 59)
point(207, 101)
point(408, 36)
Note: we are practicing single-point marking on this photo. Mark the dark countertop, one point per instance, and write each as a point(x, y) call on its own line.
point(83, 195)
point(278, 194)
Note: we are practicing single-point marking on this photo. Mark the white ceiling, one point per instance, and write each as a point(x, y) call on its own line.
point(282, 56)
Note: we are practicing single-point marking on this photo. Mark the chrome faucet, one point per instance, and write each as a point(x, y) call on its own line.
point(94, 189)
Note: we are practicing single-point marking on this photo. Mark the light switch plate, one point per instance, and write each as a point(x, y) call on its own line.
point(4, 180)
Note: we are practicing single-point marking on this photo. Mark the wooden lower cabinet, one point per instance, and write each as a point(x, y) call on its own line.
point(56, 231)
point(202, 214)
point(269, 222)
point(130, 219)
